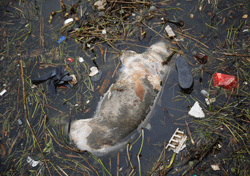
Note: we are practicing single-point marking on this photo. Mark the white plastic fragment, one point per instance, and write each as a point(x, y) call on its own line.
point(210, 100)
point(176, 143)
point(19, 121)
point(196, 111)
point(81, 59)
point(215, 167)
point(205, 93)
point(100, 5)
point(32, 162)
point(104, 31)
point(74, 81)
point(169, 31)
point(3, 92)
point(68, 21)
point(94, 71)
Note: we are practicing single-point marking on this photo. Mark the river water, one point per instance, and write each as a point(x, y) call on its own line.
point(206, 29)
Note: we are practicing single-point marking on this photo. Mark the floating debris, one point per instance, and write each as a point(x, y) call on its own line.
point(196, 111)
point(70, 60)
point(224, 80)
point(3, 92)
point(210, 100)
point(100, 5)
point(95, 74)
point(200, 57)
point(185, 76)
point(32, 162)
point(176, 143)
point(169, 31)
point(104, 31)
point(80, 59)
point(19, 121)
point(57, 77)
point(215, 167)
point(74, 81)
point(205, 93)
point(152, 8)
point(61, 39)
point(70, 20)
point(245, 16)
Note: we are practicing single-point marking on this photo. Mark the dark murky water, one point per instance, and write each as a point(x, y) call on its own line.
point(207, 39)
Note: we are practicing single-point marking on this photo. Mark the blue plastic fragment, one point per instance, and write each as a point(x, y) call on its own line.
point(61, 39)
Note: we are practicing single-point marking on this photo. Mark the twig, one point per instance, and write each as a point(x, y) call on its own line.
point(54, 108)
point(189, 133)
point(116, 69)
point(193, 39)
point(153, 30)
point(118, 160)
point(26, 115)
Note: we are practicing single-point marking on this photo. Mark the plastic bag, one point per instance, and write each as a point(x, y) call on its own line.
point(224, 80)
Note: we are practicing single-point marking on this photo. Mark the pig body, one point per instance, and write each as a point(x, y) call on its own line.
point(126, 104)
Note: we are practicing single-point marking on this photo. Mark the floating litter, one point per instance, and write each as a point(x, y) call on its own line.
point(196, 111)
point(104, 31)
point(205, 93)
point(94, 71)
point(95, 74)
point(32, 162)
point(81, 59)
point(68, 21)
point(169, 31)
point(185, 76)
point(215, 167)
point(210, 100)
point(3, 92)
point(61, 39)
point(176, 143)
point(70, 60)
point(224, 80)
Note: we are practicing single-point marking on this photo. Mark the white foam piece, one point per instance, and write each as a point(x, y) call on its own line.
point(94, 71)
point(196, 111)
point(68, 21)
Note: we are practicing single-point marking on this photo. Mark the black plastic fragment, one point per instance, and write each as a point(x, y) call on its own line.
point(185, 76)
point(56, 77)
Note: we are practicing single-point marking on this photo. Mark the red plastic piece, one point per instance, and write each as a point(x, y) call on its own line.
point(70, 60)
point(226, 81)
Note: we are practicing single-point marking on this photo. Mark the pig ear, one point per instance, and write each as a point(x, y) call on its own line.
point(127, 54)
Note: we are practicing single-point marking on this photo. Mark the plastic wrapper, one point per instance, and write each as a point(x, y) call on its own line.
point(224, 80)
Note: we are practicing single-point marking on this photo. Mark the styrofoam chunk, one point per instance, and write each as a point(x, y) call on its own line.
point(196, 111)
point(68, 21)
point(81, 59)
point(169, 30)
point(215, 167)
point(210, 100)
point(94, 71)
point(3, 92)
point(32, 162)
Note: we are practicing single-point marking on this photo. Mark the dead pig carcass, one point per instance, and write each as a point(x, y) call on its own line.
point(126, 104)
